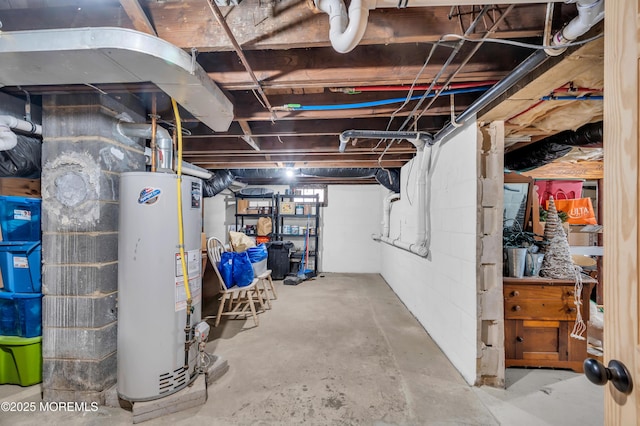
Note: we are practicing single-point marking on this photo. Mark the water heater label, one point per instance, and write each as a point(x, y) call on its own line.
point(193, 258)
point(196, 195)
point(181, 295)
point(149, 195)
point(192, 262)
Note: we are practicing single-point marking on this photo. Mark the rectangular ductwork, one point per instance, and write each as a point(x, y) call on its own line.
point(112, 55)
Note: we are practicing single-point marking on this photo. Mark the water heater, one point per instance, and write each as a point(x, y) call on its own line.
point(151, 289)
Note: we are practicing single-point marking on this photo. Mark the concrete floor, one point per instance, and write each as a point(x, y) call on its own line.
point(343, 350)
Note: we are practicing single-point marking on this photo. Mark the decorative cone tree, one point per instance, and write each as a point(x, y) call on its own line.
point(557, 262)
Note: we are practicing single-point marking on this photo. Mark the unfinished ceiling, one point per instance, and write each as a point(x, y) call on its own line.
point(293, 94)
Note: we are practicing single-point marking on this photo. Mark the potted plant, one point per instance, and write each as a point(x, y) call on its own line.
point(522, 251)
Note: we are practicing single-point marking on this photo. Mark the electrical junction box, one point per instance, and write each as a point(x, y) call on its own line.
point(202, 332)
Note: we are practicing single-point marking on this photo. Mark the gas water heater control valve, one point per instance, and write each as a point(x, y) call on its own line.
point(202, 332)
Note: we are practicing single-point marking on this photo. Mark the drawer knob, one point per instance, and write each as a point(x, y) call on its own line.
point(570, 293)
point(516, 308)
point(519, 339)
point(571, 310)
point(515, 293)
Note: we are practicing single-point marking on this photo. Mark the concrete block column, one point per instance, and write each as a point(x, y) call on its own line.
point(82, 158)
point(490, 300)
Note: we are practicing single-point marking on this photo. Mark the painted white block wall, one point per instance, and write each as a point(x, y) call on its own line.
point(353, 214)
point(215, 219)
point(440, 290)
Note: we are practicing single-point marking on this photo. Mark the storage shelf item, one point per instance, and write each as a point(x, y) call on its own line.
point(290, 225)
point(20, 360)
point(539, 314)
point(278, 258)
point(20, 265)
point(250, 208)
point(20, 218)
point(20, 314)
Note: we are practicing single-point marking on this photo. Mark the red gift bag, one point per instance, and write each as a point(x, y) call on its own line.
point(579, 210)
point(558, 189)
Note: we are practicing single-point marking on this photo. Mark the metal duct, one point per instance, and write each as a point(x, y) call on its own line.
point(528, 65)
point(112, 55)
point(553, 147)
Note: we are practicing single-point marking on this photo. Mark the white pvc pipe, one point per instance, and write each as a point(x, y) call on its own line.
point(420, 246)
point(193, 170)
point(590, 12)
point(421, 235)
point(386, 212)
point(346, 29)
point(421, 251)
point(8, 139)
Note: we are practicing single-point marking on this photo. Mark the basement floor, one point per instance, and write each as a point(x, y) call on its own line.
point(343, 350)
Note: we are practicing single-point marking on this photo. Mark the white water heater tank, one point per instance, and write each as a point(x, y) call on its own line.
point(151, 291)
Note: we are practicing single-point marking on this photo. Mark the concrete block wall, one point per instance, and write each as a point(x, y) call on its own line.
point(83, 156)
point(218, 215)
point(441, 290)
point(353, 214)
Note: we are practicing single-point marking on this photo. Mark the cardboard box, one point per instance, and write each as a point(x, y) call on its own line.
point(243, 205)
point(577, 238)
point(287, 208)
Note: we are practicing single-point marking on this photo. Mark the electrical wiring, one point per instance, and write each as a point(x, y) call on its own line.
point(452, 55)
point(521, 44)
point(413, 85)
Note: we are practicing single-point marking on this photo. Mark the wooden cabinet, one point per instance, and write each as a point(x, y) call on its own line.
point(539, 316)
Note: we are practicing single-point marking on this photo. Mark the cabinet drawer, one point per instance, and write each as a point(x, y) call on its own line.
point(542, 309)
point(519, 292)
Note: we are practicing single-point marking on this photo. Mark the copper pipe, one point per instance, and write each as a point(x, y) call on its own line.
point(216, 11)
point(154, 124)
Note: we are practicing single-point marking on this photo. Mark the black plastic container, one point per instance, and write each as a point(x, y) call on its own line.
point(278, 258)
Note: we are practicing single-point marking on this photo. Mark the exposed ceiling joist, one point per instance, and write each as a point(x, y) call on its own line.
point(138, 17)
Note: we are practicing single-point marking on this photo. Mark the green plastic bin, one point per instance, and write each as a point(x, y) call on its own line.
point(20, 360)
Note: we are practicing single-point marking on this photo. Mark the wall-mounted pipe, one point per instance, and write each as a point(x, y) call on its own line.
point(590, 12)
point(8, 139)
point(418, 139)
point(386, 213)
